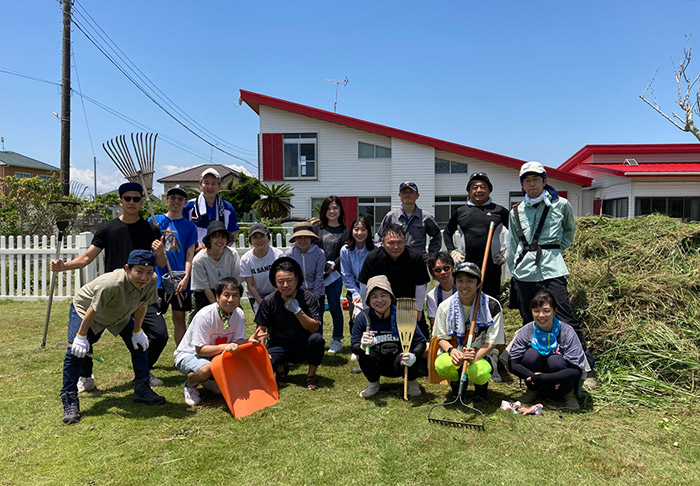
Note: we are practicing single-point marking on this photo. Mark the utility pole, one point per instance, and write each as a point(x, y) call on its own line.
point(65, 101)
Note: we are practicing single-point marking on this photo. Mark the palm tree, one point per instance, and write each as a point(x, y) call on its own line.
point(272, 203)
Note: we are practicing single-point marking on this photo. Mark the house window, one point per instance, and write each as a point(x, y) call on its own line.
point(444, 166)
point(514, 197)
point(445, 206)
point(299, 154)
point(369, 151)
point(687, 208)
point(22, 175)
point(616, 208)
point(45, 177)
point(316, 206)
point(374, 209)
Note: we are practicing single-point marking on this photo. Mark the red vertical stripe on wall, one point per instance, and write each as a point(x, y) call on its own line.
point(350, 207)
point(563, 194)
point(272, 156)
point(597, 207)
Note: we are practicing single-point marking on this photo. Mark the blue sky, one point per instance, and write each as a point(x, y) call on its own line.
point(531, 80)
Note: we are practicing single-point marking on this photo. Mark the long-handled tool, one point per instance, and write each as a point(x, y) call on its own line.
point(406, 321)
point(62, 224)
point(361, 308)
point(465, 366)
point(145, 148)
point(89, 355)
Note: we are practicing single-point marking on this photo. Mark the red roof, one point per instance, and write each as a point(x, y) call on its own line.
point(629, 150)
point(651, 169)
point(254, 100)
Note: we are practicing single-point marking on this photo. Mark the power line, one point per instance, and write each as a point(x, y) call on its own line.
point(135, 74)
point(127, 119)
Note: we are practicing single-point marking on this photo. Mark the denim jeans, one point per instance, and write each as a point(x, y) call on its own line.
point(333, 292)
point(71, 363)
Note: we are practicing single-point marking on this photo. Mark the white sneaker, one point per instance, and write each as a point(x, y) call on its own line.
point(336, 346)
point(192, 395)
point(153, 381)
point(212, 386)
point(353, 357)
point(86, 383)
point(371, 390)
point(414, 389)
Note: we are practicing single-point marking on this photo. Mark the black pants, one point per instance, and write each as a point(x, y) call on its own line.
point(157, 332)
point(374, 365)
point(535, 362)
point(492, 280)
point(525, 291)
point(310, 350)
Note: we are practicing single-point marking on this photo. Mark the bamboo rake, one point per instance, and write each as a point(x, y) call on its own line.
point(406, 318)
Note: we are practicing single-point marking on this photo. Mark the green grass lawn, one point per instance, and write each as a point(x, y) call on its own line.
point(330, 436)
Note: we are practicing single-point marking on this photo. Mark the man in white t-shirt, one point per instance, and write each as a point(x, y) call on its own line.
point(216, 328)
point(256, 263)
point(217, 261)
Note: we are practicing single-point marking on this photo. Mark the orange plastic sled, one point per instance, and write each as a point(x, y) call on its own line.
point(245, 379)
point(433, 377)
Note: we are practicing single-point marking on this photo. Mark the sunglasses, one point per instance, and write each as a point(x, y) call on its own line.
point(132, 198)
point(444, 269)
point(478, 174)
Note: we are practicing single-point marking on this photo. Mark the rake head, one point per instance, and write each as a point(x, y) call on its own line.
point(457, 423)
point(144, 145)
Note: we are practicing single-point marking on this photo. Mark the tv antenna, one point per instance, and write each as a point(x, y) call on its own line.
point(337, 82)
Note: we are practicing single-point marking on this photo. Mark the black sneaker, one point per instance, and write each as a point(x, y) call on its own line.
point(71, 408)
point(481, 393)
point(144, 394)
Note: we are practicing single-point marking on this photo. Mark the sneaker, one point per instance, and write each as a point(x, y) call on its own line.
point(71, 408)
point(353, 357)
point(481, 393)
point(356, 370)
point(144, 394)
point(153, 381)
point(86, 383)
point(212, 386)
point(371, 390)
point(570, 402)
point(495, 375)
point(590, 383)
point(528, 397)
point(192, 395)
point(336, 346)
point(414, 389)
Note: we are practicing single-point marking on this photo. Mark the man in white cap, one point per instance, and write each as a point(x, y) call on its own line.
point(541, 227)
point(208, 206)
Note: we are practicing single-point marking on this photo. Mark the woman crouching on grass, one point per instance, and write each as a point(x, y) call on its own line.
point(382, 339)
point(548, 355)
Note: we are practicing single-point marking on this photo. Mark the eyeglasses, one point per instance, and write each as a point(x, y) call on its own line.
point(444, 269)
point(132, 198)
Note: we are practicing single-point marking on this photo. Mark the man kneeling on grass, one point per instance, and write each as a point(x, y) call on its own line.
point(216, 328)
point(108, 302)
point(291, 314)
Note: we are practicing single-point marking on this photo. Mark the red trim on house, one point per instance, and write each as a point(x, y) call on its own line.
point(668, 169)
point(597, 207)
point(254, 100)
point(564, 194)
point(630, 150)
point(350, 208)
point(272, 156)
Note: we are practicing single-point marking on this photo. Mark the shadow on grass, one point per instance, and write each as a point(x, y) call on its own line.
point(139, 411)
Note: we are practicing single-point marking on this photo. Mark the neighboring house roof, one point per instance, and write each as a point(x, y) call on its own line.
point(653, 169)
point(254, 100)
point(18, 160)
point(629, 150)
point(193, 174)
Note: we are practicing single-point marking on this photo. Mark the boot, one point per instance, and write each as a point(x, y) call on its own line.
point(144, 394)
point(71, 408)
point(414, 389)
point(570, 402)
point(529, 397)
point(481, 393)
point(371, 390)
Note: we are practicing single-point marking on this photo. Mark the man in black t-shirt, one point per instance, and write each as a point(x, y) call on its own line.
point(118, 238)
point(290, 316)
point(404, 267)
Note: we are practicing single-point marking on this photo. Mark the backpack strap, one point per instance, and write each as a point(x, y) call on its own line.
point(534, 244)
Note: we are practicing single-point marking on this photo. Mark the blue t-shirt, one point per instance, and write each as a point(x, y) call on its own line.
point(226, 215)
point(178, 236)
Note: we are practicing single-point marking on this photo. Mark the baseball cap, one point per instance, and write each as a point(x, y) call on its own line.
point(532, 168)
point(258, 228)
point(480, 176)
point(210, 171)
point(177, 190)
point(130, 186)
point(469, 269)
point(408, 184)
point(142, 257)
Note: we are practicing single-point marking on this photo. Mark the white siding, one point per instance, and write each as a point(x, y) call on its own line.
point(413, 162)
point(672, 188)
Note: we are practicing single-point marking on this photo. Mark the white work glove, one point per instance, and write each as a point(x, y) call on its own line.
point(457, 256)
point(367, 340)
point(292, 305)
point(499, 259)
point(407, 359)
point(80, 346)
point(139, 339)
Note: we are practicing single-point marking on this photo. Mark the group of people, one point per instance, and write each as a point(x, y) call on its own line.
point(288, 292)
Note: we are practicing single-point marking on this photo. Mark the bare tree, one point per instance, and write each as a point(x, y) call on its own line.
point(688, 100)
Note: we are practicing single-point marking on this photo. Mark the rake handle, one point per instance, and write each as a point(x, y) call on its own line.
point(475, 305)
point(405, 382)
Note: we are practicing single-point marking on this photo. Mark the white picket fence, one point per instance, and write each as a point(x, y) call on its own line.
point(25, 272)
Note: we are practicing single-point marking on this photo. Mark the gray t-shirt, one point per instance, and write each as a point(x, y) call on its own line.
point(206, 272)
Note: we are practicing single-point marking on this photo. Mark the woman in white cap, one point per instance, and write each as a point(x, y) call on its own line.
point(377, 345)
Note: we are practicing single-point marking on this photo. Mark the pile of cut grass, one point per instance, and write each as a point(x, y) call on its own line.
point(635, 285)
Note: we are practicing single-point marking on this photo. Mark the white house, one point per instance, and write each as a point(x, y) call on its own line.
point(321, 153)
point(632, 180)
